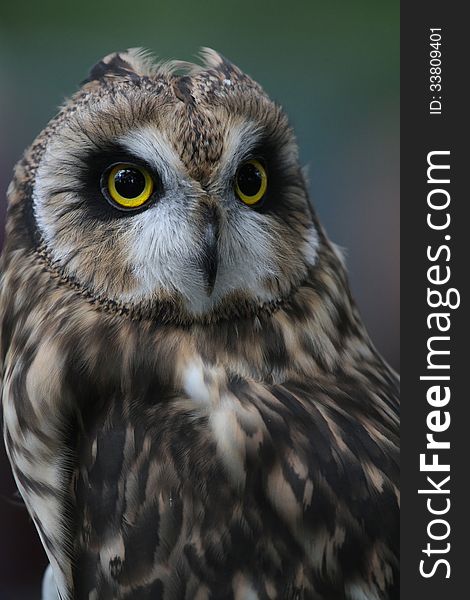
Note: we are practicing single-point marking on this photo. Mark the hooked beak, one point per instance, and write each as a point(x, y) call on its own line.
point(210, 238)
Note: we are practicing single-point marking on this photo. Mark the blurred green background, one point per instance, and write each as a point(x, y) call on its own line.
point(334, 66)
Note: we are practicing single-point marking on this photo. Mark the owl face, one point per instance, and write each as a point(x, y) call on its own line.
point(157, 189)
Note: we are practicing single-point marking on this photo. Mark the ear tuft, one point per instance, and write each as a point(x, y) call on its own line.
point(213, 60)
point(131, 64)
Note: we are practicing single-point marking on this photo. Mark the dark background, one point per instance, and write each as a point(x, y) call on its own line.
point(334, 66)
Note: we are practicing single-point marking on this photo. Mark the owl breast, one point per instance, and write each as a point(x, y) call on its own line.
point(218, 489)
point(169, 496)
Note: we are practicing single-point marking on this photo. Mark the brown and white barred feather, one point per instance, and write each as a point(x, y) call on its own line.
point(247, 450)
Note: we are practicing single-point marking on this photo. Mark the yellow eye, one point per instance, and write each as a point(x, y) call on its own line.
point(251, 182)
point(129, 186)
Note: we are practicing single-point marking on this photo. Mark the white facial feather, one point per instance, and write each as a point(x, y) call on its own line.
point(153, 147)
point(310, 246)
point(162, 241)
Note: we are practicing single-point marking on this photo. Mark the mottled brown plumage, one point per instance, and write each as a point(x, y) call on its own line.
point(174, 439)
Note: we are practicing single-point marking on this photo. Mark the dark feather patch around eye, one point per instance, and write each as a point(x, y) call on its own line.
point(281, 178)
point(90, 169)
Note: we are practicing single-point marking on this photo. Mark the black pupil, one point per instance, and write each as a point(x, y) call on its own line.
point(249, 179)
point(129, 182)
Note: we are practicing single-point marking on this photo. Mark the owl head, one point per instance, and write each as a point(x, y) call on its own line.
point(174, 189)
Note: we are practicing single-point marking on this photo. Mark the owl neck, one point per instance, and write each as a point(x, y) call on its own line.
point(315, 331)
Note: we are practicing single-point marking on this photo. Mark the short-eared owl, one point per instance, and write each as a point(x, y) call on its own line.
point(192, 407)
